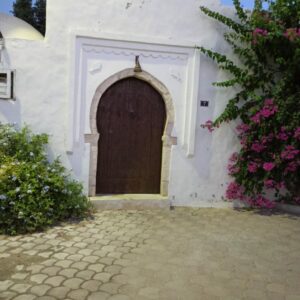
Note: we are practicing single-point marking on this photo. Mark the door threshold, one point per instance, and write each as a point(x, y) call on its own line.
point(130, 201)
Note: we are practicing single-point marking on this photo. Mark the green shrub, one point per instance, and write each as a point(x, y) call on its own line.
point(34, 192)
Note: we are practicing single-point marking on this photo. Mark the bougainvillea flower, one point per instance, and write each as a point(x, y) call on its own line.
point(268, 166)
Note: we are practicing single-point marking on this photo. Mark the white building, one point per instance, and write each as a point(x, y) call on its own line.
point(80, 85)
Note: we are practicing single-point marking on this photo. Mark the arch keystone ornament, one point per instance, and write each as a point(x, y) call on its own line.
point(167, 139)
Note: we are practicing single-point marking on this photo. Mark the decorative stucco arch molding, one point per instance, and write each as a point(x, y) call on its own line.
point(167, 138)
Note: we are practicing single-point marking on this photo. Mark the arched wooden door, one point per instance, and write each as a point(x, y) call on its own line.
point(130, 119)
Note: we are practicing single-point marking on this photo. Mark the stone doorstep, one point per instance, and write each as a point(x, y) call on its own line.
point(130, 201)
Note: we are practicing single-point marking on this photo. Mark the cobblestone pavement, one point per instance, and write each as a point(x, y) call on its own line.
point(182, 254)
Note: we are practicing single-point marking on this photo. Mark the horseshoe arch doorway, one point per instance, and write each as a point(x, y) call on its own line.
point(131, 118)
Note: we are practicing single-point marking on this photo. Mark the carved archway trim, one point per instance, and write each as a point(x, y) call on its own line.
point(167, 138)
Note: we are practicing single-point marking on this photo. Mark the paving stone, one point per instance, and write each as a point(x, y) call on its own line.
point(85, 252)
point(115, 254)
point(31, 252)
point(67, 244)
point(123, 249)
point(149, 292)
point(96, 267)
point(119, 297)
point(40, 290)
point(64, 263)
point(55, 280)
point(19, 276)
point(131, 290)
point(38, 278)
point(49, 262)
point(80, 265)
point(28, 246)
point(104, 277)
point(59, 292)
point(7, 295)
point(51, 271)
point(276, 287)
point(86, 275)
point(120, 278)
point(110, 287)
point(114, 269)
point(79, 238)
point(68, 273)
point(75, 257)
point(35, 268)
point(98, 296)
point(80, 245)
point(79, 294)
point(124, 262)
point(131, 271)
point(20, 268)
point(46, 298)
point(25, 297)
point(101, 254)
point(109, 248)
point(20, 287)
point(61, 255)
point(71, 250)
point(292, 297)
point(90, 259)
point(53, 242)
point(46, 254)
point(40, 241)
point(91, 285)
point(73, 283)
point(4, 255)
point(90, 241)
point(13, 244)
point(16, 251)
point(116, 243)
point(131, 256)
point(3, 248)
point(27, 239)
point(42, 247)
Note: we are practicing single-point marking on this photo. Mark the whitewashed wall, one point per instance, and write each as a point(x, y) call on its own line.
point(47, 72)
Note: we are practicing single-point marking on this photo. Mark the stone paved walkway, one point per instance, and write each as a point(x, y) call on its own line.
point(182, 254)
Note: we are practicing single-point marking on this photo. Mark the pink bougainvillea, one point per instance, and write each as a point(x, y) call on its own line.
point(256, 118)
point(209, 125)
point(292, 34)
point(234, 191)
point(257, 147)
point(257, 34)
point(297, 133)
point(243, 128)
point(252, 167)
point(269, 183)
point(289, 152)
point(268, 166)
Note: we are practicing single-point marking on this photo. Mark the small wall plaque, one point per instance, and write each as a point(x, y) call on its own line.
point(204, 103)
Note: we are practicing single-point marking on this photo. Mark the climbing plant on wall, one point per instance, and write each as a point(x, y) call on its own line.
point(267, 106)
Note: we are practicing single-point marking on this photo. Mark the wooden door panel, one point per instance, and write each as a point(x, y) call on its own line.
point(131, 118)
